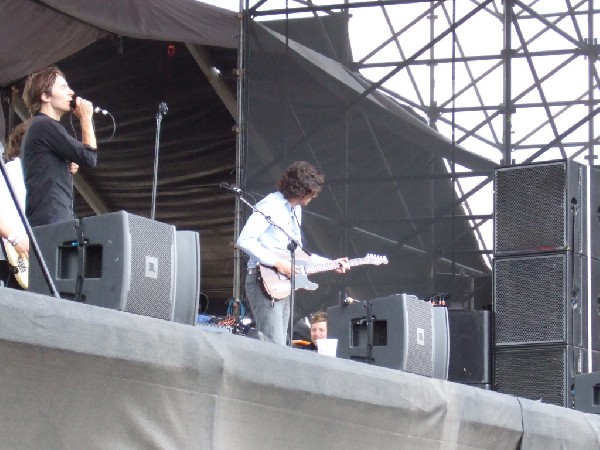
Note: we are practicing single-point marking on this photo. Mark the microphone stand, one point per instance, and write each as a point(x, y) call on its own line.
point(162, 111)
point(292, 246)
point(28, 230)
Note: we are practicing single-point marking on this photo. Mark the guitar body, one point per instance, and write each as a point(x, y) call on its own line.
point(278, 286)
point(19, 265)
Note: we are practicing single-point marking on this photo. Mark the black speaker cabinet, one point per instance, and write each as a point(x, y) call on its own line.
point(399, 332)
point(546, 207)
point(544, 373)
point(130, 264)
point(547, 299)
point(470, 347)
point(587, 392)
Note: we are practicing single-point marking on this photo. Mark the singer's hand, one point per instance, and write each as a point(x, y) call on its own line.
point(83, 109)
point(343, 264)
point(73, 168)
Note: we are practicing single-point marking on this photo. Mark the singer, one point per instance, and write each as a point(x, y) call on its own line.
point(48, 150)
point(265, 244)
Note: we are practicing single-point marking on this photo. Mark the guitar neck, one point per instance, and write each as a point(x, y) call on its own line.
point(332, 265)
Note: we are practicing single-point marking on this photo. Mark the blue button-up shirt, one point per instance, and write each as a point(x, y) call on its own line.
point(264, 243)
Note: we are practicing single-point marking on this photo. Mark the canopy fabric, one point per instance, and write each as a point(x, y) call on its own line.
point(33, 32)
point(321, 66)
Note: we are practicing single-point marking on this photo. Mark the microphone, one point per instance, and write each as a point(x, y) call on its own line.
point(227, 187)
point(163, 109)
point(73, 104)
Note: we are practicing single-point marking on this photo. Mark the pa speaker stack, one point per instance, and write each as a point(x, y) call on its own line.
point(546, 279)
point(122, 261)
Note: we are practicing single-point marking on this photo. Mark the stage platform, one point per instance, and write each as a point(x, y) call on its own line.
point(75, 376)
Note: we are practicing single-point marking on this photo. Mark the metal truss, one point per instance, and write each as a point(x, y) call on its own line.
point(512, 80)
point(539, 62)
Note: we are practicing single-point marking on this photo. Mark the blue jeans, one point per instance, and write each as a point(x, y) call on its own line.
point(272, 318)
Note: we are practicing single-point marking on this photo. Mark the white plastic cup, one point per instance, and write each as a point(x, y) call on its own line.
point(327, 347)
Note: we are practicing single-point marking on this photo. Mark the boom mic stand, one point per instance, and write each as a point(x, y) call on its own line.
point(32, 241)
point(162, 111)
point(293, 244)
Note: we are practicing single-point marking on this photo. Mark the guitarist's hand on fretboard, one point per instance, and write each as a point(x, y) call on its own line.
point(344, 265)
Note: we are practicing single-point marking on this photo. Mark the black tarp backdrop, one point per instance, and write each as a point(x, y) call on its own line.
point(381, 165)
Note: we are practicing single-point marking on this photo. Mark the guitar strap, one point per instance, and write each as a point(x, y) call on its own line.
point(303, 240)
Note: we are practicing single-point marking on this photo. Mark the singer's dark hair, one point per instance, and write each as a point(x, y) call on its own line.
point(301, 179)
point(13, 148)
point(320, 316)
point(39, 83)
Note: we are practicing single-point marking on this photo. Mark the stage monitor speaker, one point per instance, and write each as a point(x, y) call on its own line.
point(130, 264)
point(545, 299)
point(543, 207)
point(127, 262)
point(398, 332)
point(187, 287)
point(470, 347)
point(587, 392)
point(544, 374)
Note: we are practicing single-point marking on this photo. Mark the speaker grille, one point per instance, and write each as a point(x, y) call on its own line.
point(420, 337)
point(536, 374)
point(152, 252)
point(531, 208)
point(530, 299)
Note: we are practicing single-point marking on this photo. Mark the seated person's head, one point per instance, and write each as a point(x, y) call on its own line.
point(318, 326)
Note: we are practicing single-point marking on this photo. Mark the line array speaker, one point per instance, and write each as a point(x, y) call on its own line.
point(543, 207)
point(545, 373)
point(543, 299)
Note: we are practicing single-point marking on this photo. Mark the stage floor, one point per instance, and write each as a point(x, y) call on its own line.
point(76, 376)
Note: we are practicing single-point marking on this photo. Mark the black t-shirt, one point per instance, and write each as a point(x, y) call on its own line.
point(47, 149)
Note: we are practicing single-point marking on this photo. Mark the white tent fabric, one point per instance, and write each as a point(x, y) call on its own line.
point(36, 33)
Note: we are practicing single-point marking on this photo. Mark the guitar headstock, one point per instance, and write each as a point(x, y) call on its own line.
point(375, 259)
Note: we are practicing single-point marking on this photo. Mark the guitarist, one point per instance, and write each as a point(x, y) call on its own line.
point(265, 244)
point(12, 230)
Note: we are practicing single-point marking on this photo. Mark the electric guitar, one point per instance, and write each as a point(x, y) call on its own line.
point(19, 265)
point(277, 286)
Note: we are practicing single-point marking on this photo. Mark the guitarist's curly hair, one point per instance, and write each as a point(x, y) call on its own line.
point(301, 179)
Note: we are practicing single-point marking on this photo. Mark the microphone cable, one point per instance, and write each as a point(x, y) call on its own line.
point(97, 110)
